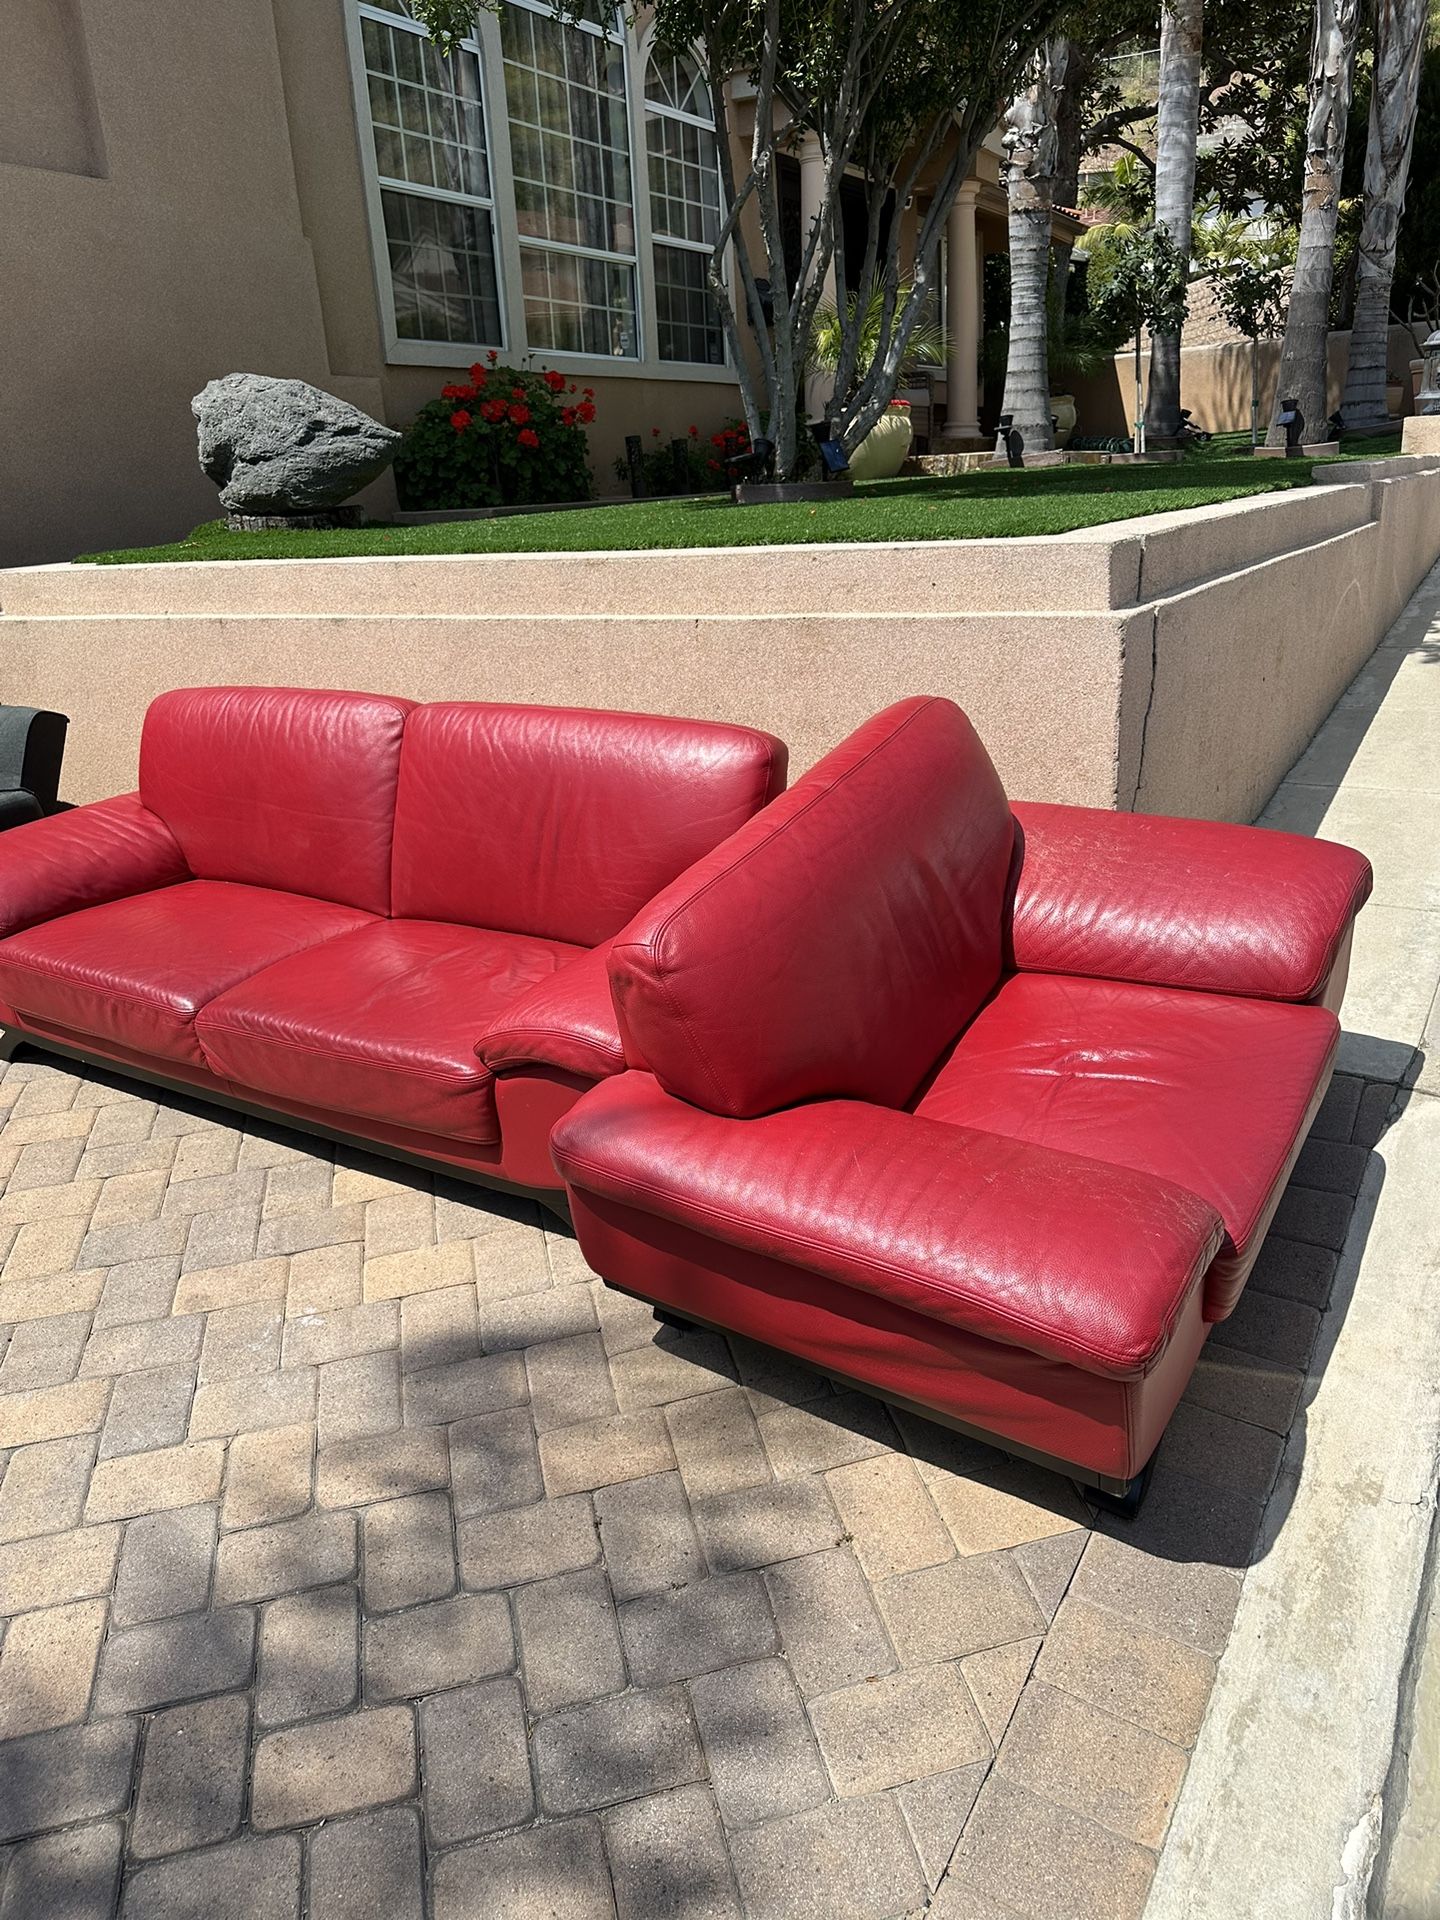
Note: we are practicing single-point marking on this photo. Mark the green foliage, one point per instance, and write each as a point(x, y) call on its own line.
point(1140, 282)
point(697, 466)
point(1253, 290)
point(446, 21)
point(1252, 115)
point(504, 438)
point(1125, 195)
point(863, 316)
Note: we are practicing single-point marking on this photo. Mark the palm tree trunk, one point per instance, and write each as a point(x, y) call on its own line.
point(1307, 329)
point(1080, 63)
point(1176, 131)
point(1031, 153)
point(1399, 53)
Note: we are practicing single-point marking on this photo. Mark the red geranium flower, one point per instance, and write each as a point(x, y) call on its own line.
point(460, 420)
point(492, 356)
point(529, 437)
point(451, 392)
point(479, 374)
point(517, 393)
point(555, 381)
point(589, 393)
point(694, 433)
point(519, 415)
point(567, 416)
point(654, 433)
point(585, 413)
point(494, 411)
point(573, 387)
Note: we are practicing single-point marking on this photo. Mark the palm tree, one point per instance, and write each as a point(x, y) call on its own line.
point(1307, 330)
point(1400, 27)
point(1031, 155)
point(863, 316)
point(1177, 128)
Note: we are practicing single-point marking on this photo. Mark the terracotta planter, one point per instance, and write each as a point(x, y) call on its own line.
point(1062, 408)
point(883, 451)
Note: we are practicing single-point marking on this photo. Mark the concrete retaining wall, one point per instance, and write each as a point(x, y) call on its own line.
point(1177, 664)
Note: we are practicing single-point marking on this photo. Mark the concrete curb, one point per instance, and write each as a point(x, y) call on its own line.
point(1285, 1797)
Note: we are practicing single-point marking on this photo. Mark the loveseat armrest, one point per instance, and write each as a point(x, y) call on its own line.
point(1073, 1258)
point(567, 1021)
point(82, 858)
point(1182, 903)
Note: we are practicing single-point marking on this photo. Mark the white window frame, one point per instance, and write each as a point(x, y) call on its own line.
point(644, 330)
point(437, 353)
point(453, 355)
point(644, 107)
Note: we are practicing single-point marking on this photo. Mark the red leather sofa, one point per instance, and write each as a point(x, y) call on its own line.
point(384, 920)
point(986, 1109)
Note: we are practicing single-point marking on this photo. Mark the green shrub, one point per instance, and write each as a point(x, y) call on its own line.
point(504, 438)
point(703, 466)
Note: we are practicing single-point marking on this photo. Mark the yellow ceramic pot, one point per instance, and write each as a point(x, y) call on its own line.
point(881, 454)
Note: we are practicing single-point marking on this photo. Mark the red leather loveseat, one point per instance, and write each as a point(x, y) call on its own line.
point(383, 919)
point(985, 1109)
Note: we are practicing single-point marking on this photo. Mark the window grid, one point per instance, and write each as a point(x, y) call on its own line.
point(432, 164)
point(567, 151)
point(570, 161)
point(684, 181)
point(686, 326)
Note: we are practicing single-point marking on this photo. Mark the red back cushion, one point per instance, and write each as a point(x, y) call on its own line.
point(834, 946)
point(279, 786)
point(562, 823)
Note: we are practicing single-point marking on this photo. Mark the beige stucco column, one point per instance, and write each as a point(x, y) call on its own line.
point(962, 308)
point(818, 386)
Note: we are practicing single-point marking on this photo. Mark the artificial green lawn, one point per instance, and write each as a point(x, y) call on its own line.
point(992, 503)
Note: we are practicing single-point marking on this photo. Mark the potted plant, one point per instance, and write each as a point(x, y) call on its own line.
point(883, 451)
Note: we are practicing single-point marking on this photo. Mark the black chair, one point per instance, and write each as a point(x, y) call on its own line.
point(32, 746)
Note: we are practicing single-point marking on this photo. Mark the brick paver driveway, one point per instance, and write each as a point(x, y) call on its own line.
point(360, 1555)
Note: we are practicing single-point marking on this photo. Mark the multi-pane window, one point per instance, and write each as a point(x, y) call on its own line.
point(427, 122)
point(684, 179)
point(570, 158)
point(531, 223)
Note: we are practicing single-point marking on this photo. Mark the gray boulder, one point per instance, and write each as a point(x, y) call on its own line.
point(283, 446)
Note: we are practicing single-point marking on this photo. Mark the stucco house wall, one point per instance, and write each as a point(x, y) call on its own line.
point(180, 204)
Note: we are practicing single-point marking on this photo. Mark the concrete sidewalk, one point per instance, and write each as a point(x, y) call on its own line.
point(1302, 1802)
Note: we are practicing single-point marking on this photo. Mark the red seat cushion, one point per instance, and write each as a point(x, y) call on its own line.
point(1209, 1091)
point(381, 1024)
point(136, 971)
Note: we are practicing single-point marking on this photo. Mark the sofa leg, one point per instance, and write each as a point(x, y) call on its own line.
point(1122, 1498)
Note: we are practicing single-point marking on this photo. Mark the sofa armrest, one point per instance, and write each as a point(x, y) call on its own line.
point(82, 859)
point(1073, 1258)
point(1182, 903)
point(567, 1021)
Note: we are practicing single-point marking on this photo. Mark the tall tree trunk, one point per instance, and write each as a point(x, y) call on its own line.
point(1307, 329)
point(1031, 150)
point(1080, 62)
point(1177, 127)
point(1399, 54)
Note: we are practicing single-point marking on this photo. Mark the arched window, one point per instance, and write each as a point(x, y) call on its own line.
point(684, 205)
